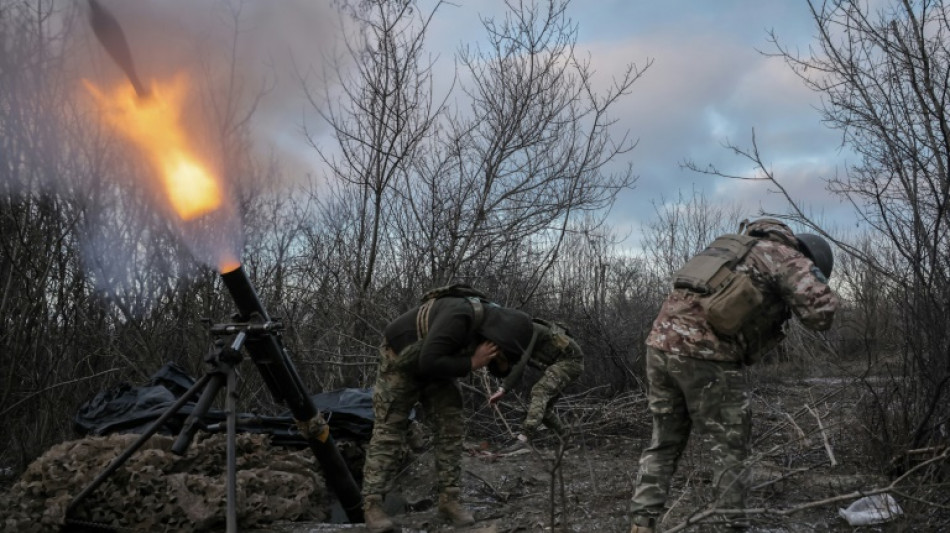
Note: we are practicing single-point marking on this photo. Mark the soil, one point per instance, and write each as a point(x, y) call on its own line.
point(809, 459)
point(808, 464)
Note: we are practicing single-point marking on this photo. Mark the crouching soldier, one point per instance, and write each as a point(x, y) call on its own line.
point(423, 353)
point(728, 307)
point(561, 360)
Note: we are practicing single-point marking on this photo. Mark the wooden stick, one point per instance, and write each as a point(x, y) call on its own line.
point(824, 436)
point(803, 439)
point(488, 393)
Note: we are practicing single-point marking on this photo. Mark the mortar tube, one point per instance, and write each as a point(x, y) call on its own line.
point(281, 377)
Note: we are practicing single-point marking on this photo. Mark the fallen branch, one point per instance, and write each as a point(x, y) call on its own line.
point(495, 493)
point(892, 486)
point(804, 442)
point(783, 477)
point(488, 392)
point(824, 436)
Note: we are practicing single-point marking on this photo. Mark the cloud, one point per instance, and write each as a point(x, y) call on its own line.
point(243, 55)
point(710, 85)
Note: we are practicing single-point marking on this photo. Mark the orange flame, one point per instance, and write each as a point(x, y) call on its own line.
point(228, 264)
point(153, 124)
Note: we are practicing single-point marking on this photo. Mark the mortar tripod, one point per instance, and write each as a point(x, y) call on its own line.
point(221, 361)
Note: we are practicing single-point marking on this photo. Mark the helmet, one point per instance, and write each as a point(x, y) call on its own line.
point(770, 229)
point(511, 330)
point(818, 250)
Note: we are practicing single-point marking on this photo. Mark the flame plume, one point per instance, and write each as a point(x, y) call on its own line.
point(153, 125)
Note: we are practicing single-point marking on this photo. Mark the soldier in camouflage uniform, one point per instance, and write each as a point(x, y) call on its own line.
point(561, 360)
point(423, 352)
point(695, 374)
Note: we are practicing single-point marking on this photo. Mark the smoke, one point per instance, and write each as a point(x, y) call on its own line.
point(245, 110)
point(244, 61)
point(247, 57)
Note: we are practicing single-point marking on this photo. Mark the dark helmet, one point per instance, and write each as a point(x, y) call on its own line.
point(818, 250)
point(511, 330)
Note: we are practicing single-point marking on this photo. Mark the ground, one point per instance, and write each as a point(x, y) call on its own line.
point(810, 459)
point(807, 467)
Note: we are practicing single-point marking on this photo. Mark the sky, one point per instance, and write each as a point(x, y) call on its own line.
point(709, 84)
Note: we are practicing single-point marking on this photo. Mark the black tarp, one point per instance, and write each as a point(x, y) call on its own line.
point(131, 409)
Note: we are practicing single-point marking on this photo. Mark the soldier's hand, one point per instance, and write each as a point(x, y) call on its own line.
point(484, 353)
point(494, 398)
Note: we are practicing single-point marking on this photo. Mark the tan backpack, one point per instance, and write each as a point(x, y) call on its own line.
point(729, 298)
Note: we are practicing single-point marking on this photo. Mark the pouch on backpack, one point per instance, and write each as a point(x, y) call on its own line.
point(732, 304)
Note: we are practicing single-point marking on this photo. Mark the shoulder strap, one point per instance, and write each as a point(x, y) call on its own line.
point(707, 270)
point(479, 311)
point(422, 316)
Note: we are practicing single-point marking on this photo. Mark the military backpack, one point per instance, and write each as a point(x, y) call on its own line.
point(729, 298)
point(455, 290)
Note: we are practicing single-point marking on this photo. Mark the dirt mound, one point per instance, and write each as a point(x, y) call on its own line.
point(158, 490)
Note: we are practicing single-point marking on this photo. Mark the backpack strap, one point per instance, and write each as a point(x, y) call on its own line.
point(422, 316)
point(706, 271)
point(479, 311)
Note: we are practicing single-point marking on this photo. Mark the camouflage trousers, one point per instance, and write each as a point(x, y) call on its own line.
point(397, 390)
point(547, 389)
point(684, 391)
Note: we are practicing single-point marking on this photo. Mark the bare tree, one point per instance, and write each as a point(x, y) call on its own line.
point(480, 184)
point(683, 228)
point(884, 75)
point(384, 111)
point(533, 148)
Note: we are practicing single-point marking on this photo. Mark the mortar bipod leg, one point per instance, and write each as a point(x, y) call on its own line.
point(221, 360)
point(230, 406)
point(124, 456)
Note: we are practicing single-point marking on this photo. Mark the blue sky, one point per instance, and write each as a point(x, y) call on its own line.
point(709, 84)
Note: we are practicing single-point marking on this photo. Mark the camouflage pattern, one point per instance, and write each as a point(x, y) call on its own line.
point(159, 490)
point(686, 391)
point(789, 282)
point(398, 388)
point(565, 362)
point(696, 376)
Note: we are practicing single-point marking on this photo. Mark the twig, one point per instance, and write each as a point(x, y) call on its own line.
point(497, 495)
point(783, 477)
point(495, 408)
point(557, 474)
point(55, 386)
point(801, 411)
point(824, 436)
point(801, 433)
point(679, 499)
point(698, 517)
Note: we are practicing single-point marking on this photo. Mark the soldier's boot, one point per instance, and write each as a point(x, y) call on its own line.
point(451, 508)
point(642, 524)
point(375, 518)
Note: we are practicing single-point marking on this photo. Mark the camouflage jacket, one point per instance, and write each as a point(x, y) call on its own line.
point(552, 344)
point(789, 282)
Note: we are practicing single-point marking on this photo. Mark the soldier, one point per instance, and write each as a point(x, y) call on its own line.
point(560, 358)
point(728, 307)
point(423, 352)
